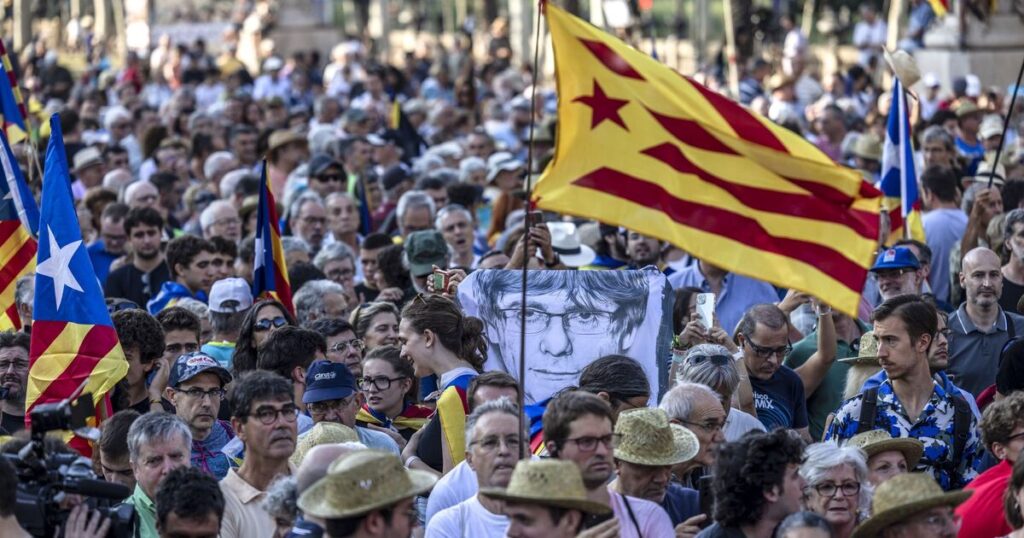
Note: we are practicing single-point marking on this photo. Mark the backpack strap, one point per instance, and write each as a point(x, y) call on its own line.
point(868, 406)
point(961, 429)
point(1010, 329)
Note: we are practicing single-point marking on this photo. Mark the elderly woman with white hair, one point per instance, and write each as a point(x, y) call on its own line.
point(712, 365)
point(837, 485)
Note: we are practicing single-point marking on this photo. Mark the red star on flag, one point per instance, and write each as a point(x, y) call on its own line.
point(603, 107)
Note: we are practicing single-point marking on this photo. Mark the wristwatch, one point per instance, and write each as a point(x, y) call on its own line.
point(555, 260)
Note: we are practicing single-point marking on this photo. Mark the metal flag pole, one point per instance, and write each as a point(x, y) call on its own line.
point(1006, 126)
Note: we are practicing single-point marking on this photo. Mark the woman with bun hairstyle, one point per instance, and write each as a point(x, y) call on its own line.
point(441, 341)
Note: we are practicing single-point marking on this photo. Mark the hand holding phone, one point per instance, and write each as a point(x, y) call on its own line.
point(706, 309)
point(440, 279)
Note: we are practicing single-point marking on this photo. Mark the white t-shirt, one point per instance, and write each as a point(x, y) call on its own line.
point(652, 519)
point(468, 518)
point(453, 488)
point(739, 423)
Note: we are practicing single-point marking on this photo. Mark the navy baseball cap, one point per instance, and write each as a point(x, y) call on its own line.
point(896, 258)
point(192, 364)
point(326, 380)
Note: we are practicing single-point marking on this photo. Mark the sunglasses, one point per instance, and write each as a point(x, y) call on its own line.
point(717, 360)
point(265, 324)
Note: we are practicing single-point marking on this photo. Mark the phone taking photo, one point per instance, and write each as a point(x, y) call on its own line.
point(706, 309)
point(441, 281)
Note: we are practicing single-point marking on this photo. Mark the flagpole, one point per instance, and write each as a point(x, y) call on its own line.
point(1006, 126)
point(526, 230)
point(904, 120)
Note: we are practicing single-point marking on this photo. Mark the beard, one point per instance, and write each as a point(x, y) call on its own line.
point(148, 255)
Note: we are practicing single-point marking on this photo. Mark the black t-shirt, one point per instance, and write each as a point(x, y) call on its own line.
point(429, 448)
point(1011, 294)
point(11, 424)
point(368, 294)
point(127, 282)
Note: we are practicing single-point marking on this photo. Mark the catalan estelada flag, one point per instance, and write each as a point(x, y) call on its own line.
point(899, 181)
point(270, 274)
point(19, 225)
point(12, 106)
point(73, 338)
point(641, 146)
point(940, 7)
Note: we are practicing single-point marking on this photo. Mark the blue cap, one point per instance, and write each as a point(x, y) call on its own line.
point(326, 380)
point(896, 258)
point(192, 364)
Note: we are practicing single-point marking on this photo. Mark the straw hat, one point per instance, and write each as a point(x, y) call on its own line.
point(779, 81)
point(868, 146)
point(903, 65)
point(282, 138)
point(645, 437)
point(868, 353)
point(874, 442)
point(322, 433)
point(984, 170)
point(548, 482)
point(903, 496)
point(363, 481)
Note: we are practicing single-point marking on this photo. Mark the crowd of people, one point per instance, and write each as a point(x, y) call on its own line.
point(367, 410)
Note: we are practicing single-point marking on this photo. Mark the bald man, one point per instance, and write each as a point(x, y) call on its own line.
point(980, 327)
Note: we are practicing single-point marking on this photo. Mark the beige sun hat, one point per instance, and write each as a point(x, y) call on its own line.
point(903, 496)
point(363, 481)
point(875, 442)
point(868, 146)
point(322, 433)
point(548, 482)
point(645, 437)
point(868, 353)
point(903, 65)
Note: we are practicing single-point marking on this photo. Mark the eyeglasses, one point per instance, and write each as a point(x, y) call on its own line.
point(768, 352)
point(198, 394)
point(228, 221)
point(314, 220)
point(121, 305)
point(17, 364)
point(341, 274)
point(494, 442)
point(710, 426)
point(355, 344)
point(181, 349)
point(589, 444)
point(828, 489)
point(267, 415)
point(587, 323)
point(1009, 439)
point(265, 324)
point(717, 360)
point(330, 178)
point(324, 407)
point(379, 382)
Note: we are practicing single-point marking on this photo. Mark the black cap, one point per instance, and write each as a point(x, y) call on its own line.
point(393, 176)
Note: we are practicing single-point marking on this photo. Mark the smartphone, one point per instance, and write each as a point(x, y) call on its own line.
point(441, 281)
point(534, 218)
point(706, 309)
point(707, 499)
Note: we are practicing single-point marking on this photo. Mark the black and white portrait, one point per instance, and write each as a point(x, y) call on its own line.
point(572, 318)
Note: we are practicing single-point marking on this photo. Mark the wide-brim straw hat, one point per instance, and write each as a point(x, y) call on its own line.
point(903, 65)
point(644, 436)
point(867, 355)
point(868, 146)
point(322, 433)
point(903, 496)
point(284, 137)
point(361, 482)
point(875, 442)
point(548, 482)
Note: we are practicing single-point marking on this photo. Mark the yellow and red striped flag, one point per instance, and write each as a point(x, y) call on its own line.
point(644, 147)
point(12, 106)
point(19, 225)
point(270, 273)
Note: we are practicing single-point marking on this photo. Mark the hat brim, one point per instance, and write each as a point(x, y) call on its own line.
point(423, 269)
point(316, 500)
point(220, 371)
point(882, 520)
point(583, 505)
point(893, 265)
point(585, 256)
point(911, 449)
point(679, 455)
point(507, 167)
point(332, 393)
point(86, 164)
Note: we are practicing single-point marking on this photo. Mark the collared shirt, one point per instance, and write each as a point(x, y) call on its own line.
point(243, 515)
point(738, 293)
point(934, 428)
point(974, 355)
point(146, 510)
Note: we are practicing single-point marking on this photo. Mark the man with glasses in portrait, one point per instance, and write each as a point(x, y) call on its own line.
point(332, 396)
point(763, 336)
point(196, 388)
point(572, 319)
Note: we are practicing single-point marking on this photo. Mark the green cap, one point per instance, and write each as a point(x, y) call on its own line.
point(425, 249)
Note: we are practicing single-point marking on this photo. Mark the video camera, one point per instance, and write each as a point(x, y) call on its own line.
point(46, 479)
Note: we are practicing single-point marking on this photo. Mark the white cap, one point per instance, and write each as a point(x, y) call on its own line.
point(973, 86)
point(272, 64)
point(930, 80)
point(230, 295)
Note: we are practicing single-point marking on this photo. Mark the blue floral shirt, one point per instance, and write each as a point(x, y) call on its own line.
point(934, 428)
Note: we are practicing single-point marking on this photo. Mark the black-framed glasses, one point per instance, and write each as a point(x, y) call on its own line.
point(354, 343)
point(767, 352)
point(589, 443)
point(197, 393)
point(494, 442)
point(828, 489)
point(710, 426)
point(330, 178)
point(1009, 439)
point(324, 407)
point(717, 360)
point(379, 382)
point(118, 306)
point(267, 415)
point(265, 324)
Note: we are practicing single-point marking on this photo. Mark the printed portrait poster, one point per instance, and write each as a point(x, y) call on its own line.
point(572, 318)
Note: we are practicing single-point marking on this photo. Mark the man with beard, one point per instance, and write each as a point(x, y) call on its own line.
point(642, 251)
point(493, 445)
point(13, 380)
point(1013, 271)
point(980, 327)
point(141, 279)
point(578, 428)
point(264, 418)
point(909, 403)
point(897, 272)
point(196, 388)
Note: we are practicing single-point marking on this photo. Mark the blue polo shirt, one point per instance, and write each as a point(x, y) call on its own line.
point(738, 294)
